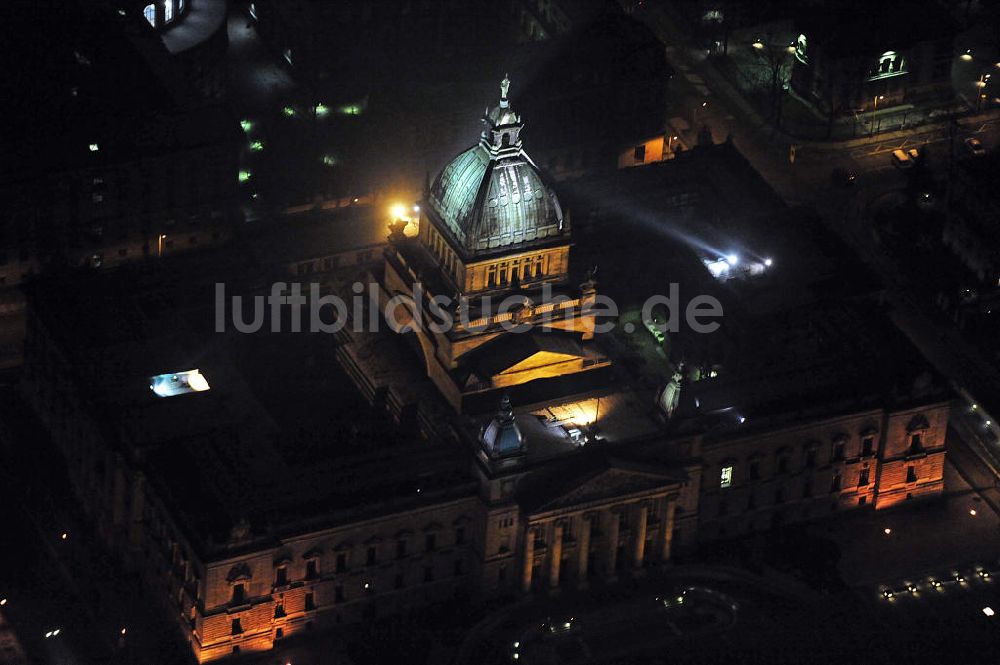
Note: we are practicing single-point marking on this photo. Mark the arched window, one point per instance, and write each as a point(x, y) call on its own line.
point(150, 13)
point(168, 11)
point(180, 6)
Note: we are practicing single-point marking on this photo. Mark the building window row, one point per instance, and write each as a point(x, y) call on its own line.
point(727, 474)
point(522, 269)
point(341, 562)
point(442, 251)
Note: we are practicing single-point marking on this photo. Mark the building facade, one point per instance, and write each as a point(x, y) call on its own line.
point(251, 518)
point(843, 63)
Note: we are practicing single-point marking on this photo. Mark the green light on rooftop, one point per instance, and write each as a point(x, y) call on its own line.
point(322, 110)
point(329, 160)
point(257, 146)
point(289, 111)
point(352, 109)
point(246, 125)
point(244, 175)
point(94, 147)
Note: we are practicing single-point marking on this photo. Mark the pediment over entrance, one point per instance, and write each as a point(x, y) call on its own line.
point(520, 352)
point(540, 359)
point(559, 489)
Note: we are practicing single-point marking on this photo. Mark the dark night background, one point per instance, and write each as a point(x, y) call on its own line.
point(815, 481)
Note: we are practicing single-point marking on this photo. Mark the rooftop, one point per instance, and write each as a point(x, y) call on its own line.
point(859, 27)
point(203, 20)
point(104, 91)
point(281, 439)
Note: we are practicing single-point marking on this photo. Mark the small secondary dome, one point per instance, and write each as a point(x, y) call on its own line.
point(501, 437)
point(492, 196)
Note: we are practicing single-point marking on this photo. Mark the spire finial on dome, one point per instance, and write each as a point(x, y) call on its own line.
point(504, 87)
point(506, 411)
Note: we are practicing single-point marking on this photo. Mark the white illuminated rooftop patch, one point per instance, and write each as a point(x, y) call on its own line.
point(732, 266)
point(178, 383)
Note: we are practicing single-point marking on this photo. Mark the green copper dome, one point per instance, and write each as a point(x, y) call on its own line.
point(491, 196)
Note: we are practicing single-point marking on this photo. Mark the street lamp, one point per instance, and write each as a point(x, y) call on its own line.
point(984, 79)
point(967, 55)
point(874, 109)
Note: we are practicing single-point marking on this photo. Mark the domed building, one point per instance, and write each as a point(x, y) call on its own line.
point(494, 242)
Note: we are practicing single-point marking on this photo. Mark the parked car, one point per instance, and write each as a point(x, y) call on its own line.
point(975, 146)
point(905, 159)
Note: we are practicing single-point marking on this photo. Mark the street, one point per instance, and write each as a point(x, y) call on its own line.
point(711, 101)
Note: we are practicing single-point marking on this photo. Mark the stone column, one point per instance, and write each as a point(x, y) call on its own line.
point(669, 506)
point(529, 559)
point(583, 551)
point(611, 558)
point(555, 554)
point(639, 535)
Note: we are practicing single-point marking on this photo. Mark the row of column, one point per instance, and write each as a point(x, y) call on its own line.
point(611, 517)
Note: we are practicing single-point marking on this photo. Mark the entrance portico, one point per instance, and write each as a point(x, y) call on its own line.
point(599, 529)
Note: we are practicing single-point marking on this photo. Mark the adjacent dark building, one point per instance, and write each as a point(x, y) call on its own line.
point(858, 56)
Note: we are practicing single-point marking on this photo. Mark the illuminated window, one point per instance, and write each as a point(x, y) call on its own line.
point(889, 63)
point(150, 13)
point(726, 477)
point(180, 6)
point(168, 11)
point(179, 383)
